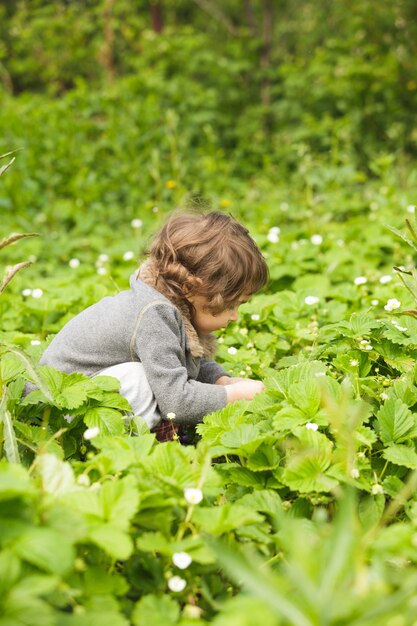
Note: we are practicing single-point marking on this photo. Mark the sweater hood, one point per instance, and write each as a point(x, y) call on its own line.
point(199, 345)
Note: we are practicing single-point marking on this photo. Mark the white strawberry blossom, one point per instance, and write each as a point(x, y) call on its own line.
point(316, 240)
point(411, 208)
point(375, 302)
point(376, 489)
point(181, 559)
point(74, 263)
point(136, 223)
point(311, 426)
point(255, 317)
point(310, 300)
point(35, 342)
point(354, 473)
point(26, 292)
point(354, 362)
point(90, 433)
point(103, 258)
point(360, 280)
point(273, 236)
point(171, 416)
point(392, 304)
point(232, 350)
point(177, 584)
point(101, 271)
point(37, 293)
point(385, 279)
point(128, 256)
point(193, 495)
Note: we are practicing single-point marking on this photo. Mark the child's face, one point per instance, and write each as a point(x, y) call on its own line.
point(206, 322)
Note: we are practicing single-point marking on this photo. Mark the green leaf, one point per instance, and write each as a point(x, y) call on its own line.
point(259, 581)
point(401, 454)
point(57, 476)
point(222, 519)
point(395, 421)
point(33, 372)
point(370, 510)
point(14, 482)
point(109, 421)
point(45, 548)
point(112, 540)
point(305, 396)
point(244, 436)
point(155, 610)
point(9, 437)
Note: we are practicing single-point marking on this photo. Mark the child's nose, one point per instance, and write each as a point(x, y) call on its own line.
point(233, 317)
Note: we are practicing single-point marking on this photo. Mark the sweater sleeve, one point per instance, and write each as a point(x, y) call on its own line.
point(157, 343)
point(210, 371)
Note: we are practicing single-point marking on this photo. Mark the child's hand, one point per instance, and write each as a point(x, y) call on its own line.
point(244, 389)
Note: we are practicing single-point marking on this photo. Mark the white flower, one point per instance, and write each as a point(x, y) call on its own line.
point(103, 258)
point(284, 206)
point(101, 271)
point(340, 243)
point(383, 396)
point(392, 304)
point(128, 256)
point(354, 362)
point(294, 245)
point(182, 559)
point(316, 240)
point(136, 223)
point(243, 331)
point(369, 347)
point(171, 416)
point(220, 340)
point(90, 433)
point(83, 480)
point(385, 279)
point(311, 300)
point(37, 293)
point(275, 229)
point(411, 208)
point(177, 584)
point(364, 342)
point(26, 292)
point(374, 302)
point(255, 317)
point(155, 209)
point(74, 263)
point(311, 426)
point(272, 237)
point(360, 280)
point(319, 374)
point(354, 473)
point(232, 350)
point(35, 342)
point(398, 327)
point(376, 489)
point(193, 495)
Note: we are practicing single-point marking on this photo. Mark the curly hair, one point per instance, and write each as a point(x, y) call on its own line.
point(210, 255)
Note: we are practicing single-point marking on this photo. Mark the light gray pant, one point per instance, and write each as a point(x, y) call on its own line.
point(135, 388)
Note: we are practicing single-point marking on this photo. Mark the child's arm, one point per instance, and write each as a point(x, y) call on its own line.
point(240, 388)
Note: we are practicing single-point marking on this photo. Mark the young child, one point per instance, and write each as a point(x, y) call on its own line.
point(156, 337)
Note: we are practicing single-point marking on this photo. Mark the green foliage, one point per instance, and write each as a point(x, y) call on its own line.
point(308, 492)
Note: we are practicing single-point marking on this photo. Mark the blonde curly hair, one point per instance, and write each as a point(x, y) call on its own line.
point(210, 255)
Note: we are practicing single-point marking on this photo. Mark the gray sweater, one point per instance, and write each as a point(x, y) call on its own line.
point(140, 324)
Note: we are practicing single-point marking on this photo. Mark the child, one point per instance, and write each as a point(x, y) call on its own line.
point(156, 337)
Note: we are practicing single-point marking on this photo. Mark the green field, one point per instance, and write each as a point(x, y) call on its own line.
point(298, 508)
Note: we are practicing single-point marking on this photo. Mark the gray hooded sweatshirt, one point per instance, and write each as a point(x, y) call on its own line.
point(140, 324)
